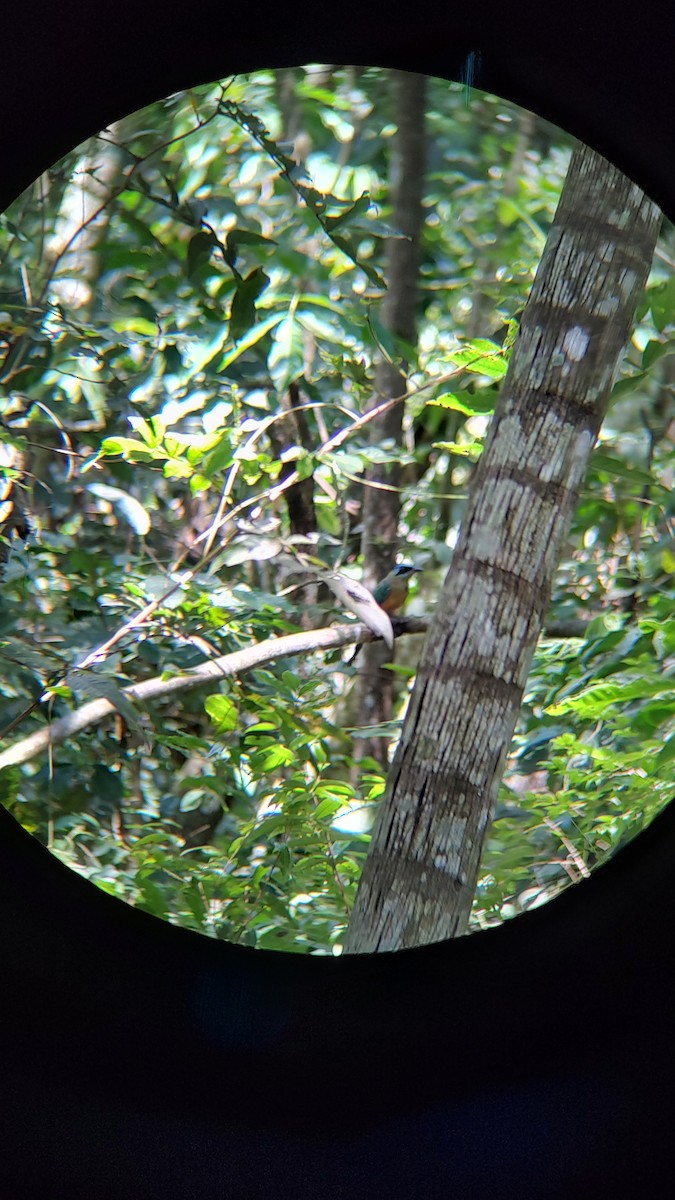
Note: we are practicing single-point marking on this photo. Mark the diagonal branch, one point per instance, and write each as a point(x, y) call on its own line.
point(227, 666)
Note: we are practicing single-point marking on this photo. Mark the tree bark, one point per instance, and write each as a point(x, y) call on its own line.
point(420, 875)
point(382, 502)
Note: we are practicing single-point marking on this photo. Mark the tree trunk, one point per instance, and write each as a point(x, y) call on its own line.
point(420, 876)
point(382, 502)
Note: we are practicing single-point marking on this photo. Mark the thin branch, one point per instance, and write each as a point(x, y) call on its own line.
point(571, 849)
point(224, 667)
point(138, 161)
point(270, 496)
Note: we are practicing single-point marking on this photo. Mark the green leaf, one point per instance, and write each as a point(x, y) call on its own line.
point(243, 307)
point(186, 742)
point(512, 331)
point(625, 387)
point(129, 448)
point(252, 337)
point(596, 701)
point(461, 449)
point(348, 463)
point(286, 359)
point(356, 209)
point(200, 248)
point(203, 355)
point(665, 755)
point(620, 469)
point(220, 457)
point(156, 587)
point(38, 658)
point(192, 799)
point(135, 325)
point(151, 431)
point(243, 237)
point(507, 211)
point(655, 350)
point(177, 468)
point(472, 404)
point(60, 690)
point(662, 303)
point(349, 247)
point(394, 348)
point(270, 825)
point(481, 357)
point(327, 808)
point(223, 712)
point(275, 756)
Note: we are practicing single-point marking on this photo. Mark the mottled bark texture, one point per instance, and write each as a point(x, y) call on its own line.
point(420, 875)
point(382, 502)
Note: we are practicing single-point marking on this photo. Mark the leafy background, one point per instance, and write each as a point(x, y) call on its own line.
point(162, 289)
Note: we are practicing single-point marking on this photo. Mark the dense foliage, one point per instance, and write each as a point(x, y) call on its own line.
point(163, 292)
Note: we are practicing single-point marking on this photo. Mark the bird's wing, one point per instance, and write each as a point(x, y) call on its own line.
point(355, 597)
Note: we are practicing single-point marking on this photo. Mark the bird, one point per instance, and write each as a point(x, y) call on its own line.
point(391, 592)
point(360, 601)
point(374, 608)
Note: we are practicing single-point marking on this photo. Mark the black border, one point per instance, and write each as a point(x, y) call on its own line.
point(139, 1060)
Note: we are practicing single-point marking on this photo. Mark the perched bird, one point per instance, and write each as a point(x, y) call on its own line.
point(392, 592)
point(374, 608)
point(357, 599)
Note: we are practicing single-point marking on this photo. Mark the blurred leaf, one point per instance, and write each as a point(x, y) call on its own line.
point(128, 447)
point(243, 237)
point(129, 508)
point(472, 405)
point(655, 350)
point(596, 700)
point(200, 248)
point(666, 754)
point(223, 713)
point(250, 549)
point(327, 808)
point(359, 207)
point(619, 469)
point(243, 307)
point(254, 336)
point(286, 359)
point(94, 685)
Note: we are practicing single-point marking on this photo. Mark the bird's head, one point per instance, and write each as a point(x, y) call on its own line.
point(404, 571)
point(392, 591)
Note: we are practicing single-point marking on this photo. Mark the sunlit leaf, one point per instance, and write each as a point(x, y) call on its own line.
point(223, 712)
point(286, 360)
point(596, 701)
point(327, 808)
point(129, 447)
point(472, 405)
point(254, 336)
point(129, 508)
